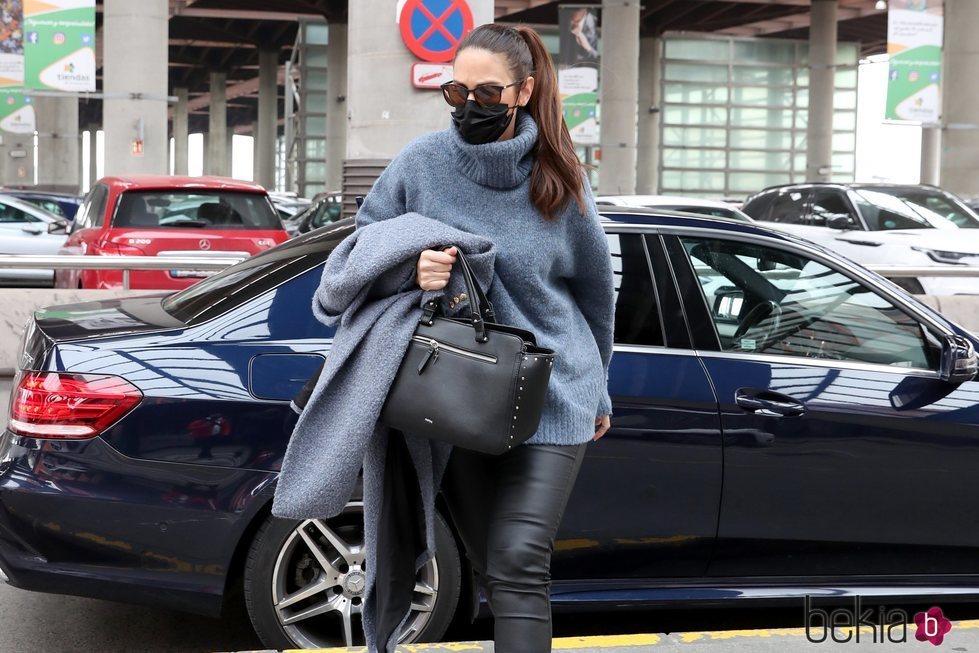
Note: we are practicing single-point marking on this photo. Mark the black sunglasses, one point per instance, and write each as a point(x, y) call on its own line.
point(486, 94)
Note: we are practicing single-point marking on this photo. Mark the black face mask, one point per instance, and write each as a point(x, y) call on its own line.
point(478, 124)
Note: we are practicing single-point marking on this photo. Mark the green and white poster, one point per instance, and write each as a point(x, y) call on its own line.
point(915, 30)
point(11, 43)
point(59, 45)
point(16, 113)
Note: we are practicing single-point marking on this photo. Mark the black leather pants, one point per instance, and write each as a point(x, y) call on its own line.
point(507, 509)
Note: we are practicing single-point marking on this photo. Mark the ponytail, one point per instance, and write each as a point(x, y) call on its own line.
point(556, 177)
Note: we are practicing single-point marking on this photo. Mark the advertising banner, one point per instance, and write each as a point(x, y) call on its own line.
point(578, 64)
point(11, 43)
point(59, 45)
point(16, 113)
point(914, 43)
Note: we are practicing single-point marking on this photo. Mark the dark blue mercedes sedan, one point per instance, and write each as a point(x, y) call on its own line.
point(785, 424)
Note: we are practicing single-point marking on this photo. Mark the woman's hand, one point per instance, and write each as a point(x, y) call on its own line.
point(434, 267)
point(602, 424)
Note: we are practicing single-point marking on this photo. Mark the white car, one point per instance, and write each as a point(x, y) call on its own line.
point(713, 208)
point(881, 224)
point(28, 229)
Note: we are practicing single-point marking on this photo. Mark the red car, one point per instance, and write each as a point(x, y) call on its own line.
point(168, 216)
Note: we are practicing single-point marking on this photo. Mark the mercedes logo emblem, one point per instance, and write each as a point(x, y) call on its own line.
point(204, 244)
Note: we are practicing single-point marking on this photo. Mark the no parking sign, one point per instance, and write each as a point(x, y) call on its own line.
point(432, 29)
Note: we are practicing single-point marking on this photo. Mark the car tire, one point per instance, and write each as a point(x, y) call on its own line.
point(281, 567)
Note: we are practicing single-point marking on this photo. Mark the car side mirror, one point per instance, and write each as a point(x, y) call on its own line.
point(840, 222)
point(57, 227)
point(958, 361)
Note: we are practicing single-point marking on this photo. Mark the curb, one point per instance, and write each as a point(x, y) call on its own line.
point(775, 638)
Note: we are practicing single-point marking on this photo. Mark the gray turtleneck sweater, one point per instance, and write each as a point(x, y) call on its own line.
point(553, 277)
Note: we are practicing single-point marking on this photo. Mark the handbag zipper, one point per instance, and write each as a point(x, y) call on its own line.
point(434, 346)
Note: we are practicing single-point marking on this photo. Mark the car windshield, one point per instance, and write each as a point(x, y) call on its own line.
point(913, 208)
point(239, 283)
point(713, 211)
point(195, 209)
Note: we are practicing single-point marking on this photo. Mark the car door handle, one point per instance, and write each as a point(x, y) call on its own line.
point(765, 402)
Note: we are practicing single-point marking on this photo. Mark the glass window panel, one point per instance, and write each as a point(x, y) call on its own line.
point(755, 160)
point(802, 76)
point(694, 136)
point(694, 94)
point(699, 49)
point(847, 53)
point(695, 115)
point(845, 120)
point(637, 320)
point(846, 78)
point(694, 158)
point(315, 57)
point(802, 98)
point(752, 182)
point(844, 142)
point(315, 80)
point(317, 33)
point(800, 162)
point(845, 100)
point(689, 72)
point(770, 118)
point(756, 76)
point(315, 126)
point(315, 148)
point(681, 181)
point(314, 101)
point(764, 51)
point(315, 170)
point(843, 165)
point(762, 139)
point(762, 96)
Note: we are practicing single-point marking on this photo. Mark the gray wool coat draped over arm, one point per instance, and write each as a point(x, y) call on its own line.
point(367, 292)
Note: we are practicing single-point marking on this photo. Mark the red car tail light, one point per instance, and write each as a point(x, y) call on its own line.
point(64, 405)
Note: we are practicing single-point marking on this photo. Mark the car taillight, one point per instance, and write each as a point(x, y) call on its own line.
point(64, 405)
point(115, 249)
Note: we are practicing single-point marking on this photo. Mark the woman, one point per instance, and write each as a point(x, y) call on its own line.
point(507, 170)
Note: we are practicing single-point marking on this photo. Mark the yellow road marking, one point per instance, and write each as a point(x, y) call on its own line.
point(604, 641)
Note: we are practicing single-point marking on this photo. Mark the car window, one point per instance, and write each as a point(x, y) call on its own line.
point(789, 207)
point(826, 205)
point(197, 209)
point(637, 314)
point(50, 206)
point(934, 207)
point(764, 300)
point(93, 205)
point(884, 212)
point(757, 207)
point(10, 214)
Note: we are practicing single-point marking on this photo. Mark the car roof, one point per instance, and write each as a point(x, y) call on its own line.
point(168, 182)
point(849, 186)
point(665, 200)
point(665, 217)
point(27, 207)
point(21, 192)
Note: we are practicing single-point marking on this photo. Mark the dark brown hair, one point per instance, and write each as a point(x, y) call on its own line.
point(557, 173)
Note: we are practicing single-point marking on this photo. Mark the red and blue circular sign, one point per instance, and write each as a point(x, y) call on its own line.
point(432, 29)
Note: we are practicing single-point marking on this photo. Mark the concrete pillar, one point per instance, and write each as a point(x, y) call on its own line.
point(380, 123)
point(931, 155)
point(17, 170)
point(267, 126)
point(619, 96)
point(960, 112)
point(93, 154)
point(135, 62)
point(650, 110)
point(822, 83)
point(336, 105)
point(59, 144)
point(181, 129)
point(218, 162)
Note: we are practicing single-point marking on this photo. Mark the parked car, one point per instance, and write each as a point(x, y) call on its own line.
point(785, 424)
point(288, 205)
point(911, 225)
point(60, 204)
point(714, 208)
point(168, 216)
point(28, 229)
point(327, 209)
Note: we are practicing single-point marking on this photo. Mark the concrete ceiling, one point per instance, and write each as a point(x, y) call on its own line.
point(225, 35)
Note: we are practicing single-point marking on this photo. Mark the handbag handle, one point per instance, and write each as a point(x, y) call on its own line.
point(481, 310)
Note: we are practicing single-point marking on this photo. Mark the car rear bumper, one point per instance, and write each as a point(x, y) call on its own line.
point(75, 521)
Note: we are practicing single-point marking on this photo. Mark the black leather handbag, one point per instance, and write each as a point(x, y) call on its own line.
point(469, 381)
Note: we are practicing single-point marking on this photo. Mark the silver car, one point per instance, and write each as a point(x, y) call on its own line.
point(29, 229)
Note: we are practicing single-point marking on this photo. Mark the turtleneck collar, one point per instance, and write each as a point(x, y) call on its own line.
point(500, 164)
